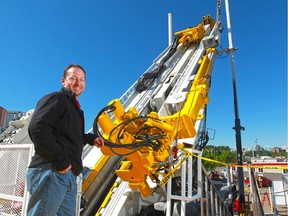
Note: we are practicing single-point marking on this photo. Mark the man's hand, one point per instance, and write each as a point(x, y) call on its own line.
point(99, 142)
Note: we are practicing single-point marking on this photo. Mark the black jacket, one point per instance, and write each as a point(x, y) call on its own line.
point(57, 131)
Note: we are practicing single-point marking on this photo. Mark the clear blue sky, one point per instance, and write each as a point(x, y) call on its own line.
point(116, 41)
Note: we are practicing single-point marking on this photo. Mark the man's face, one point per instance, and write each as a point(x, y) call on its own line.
point(74, 81)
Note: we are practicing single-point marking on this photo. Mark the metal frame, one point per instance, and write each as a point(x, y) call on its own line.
point(11, 197)
point(186, 171)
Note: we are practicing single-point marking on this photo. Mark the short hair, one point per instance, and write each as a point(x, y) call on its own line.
point(71, 66)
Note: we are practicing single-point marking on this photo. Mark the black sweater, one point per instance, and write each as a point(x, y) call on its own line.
point(57, 131)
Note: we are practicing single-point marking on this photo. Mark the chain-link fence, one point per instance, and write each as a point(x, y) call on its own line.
point(14, 160)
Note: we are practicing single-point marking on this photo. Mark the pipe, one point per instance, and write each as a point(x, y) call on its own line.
point(237, 126)
point(170, 34)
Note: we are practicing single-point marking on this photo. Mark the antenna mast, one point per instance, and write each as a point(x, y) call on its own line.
point(237, 126)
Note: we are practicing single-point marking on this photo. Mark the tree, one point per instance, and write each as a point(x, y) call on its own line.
point(218, 153)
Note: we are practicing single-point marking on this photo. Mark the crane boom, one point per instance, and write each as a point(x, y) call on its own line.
point(147, 138)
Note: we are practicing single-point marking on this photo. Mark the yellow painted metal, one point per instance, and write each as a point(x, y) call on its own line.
point(197, 98)
point(106, 122)
point(194, 34)
point(140, 164)
point(96, 169)
point(144, 161)
point(107, 198)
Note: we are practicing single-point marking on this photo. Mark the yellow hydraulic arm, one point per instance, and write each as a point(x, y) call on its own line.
point(194, 34)
point(146, 141)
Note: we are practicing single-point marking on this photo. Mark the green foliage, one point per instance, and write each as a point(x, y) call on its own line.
point(218, 153)
point(280, 154)
point(262, 152)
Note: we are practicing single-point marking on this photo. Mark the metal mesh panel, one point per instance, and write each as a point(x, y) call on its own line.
point(14, 160)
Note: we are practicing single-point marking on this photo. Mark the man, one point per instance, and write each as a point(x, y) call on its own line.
point(57, 132)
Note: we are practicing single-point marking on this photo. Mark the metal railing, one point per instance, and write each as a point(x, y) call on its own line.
point(14, 160)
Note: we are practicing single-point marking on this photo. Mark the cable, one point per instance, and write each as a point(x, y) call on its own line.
point(145, 81)
point(146, 136)
point(219, 54)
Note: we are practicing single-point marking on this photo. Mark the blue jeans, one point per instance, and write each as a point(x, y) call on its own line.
point(51, 193)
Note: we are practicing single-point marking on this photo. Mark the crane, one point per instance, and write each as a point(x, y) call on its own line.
point(160, 123)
